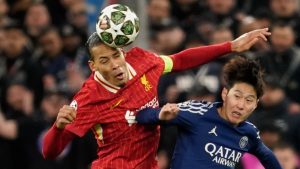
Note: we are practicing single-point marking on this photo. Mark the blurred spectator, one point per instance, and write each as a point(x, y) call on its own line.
point(163, 160)
point(18, 9)
point(68, 3)
point(287, 11)
point(29, 132)
point(273, 104)
point(37, 18)
point(74, 49)
point(194, 40)
point(201, 92)
point(19, 108)
point(224, 13)
point(286, 156)
point(19, 100)
point(169, 38)
point(17, 65)
point(4, 9)
point(159, 12)
point(205, 26)
point(282, 61)
point(77, 16)
point(2, 43)
point(185, 11)
point(221, 34)
point(53, 60)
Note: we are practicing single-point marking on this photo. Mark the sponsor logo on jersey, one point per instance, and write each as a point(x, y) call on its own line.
point(153, 104)
point(146, 83)
point(116, 104)
point(243, 142)
point(223, 155)
point(213, 131)
point(130, 115)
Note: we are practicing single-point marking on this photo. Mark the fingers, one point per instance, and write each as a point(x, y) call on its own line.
point(251, 43)
point(247, 40)
point(262, 33)
point(65, 116)
point(168, 112)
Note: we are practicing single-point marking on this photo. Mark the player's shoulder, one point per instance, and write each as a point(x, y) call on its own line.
point(136, 51)
point(251, 129)
point(195, 106)
point(89, 92)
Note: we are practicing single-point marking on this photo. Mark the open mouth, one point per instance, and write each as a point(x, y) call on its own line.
point(236, 114)
point(120, 76)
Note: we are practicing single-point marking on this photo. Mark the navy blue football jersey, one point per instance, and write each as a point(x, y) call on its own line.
point(206, 141)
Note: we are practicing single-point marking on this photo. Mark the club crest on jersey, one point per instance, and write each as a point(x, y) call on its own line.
point(146, 83)
point(74, 104)
point(243, 142)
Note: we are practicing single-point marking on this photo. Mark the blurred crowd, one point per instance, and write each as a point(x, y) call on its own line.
point(43, 63)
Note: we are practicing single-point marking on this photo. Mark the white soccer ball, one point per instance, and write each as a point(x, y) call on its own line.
point(122, 25)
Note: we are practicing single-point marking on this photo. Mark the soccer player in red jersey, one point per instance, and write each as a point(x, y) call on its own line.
point(121, 84)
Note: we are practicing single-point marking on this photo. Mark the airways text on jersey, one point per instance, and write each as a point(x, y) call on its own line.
point(222, 155)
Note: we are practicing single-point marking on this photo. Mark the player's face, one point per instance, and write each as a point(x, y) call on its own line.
point(110, 63)
point(238, 103)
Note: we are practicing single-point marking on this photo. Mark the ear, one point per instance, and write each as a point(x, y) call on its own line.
point(256, 105)
point(92, 65)
point(224, 93)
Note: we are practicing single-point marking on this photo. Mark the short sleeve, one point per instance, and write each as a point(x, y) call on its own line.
point(85, 114)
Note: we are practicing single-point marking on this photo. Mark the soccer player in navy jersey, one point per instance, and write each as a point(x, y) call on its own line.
point(121, 84)
point(215, 135)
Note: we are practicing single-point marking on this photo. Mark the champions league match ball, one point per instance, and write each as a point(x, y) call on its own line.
point(122, 25)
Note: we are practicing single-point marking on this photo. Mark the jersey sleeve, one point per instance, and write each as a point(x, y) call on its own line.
point(262, 152)
point(194, 57)
point(55, 141)
point(151, 116)
point(187, 116)
point(85, 114)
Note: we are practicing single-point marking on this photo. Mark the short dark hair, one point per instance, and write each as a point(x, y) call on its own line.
point(241, 69)
point(281, 25)
point(92, 41)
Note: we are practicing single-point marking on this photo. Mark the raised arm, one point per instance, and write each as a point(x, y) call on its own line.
point(197, 56)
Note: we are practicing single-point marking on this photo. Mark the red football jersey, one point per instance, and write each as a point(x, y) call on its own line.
point(123, 144)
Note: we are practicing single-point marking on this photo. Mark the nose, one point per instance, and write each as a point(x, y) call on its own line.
point(114, 64)
point(241, 104)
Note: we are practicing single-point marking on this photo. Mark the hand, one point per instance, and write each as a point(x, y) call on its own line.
point(66, 115)
point(247, 40)
point(168, 112)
